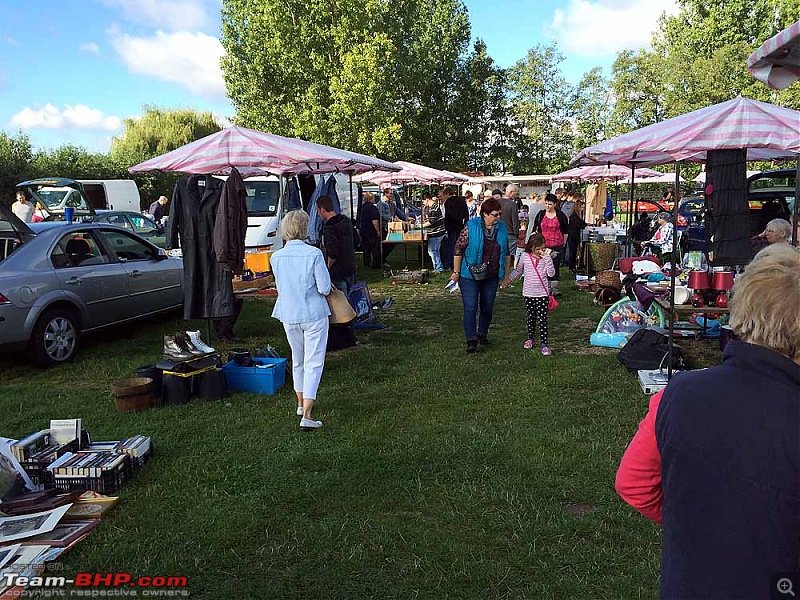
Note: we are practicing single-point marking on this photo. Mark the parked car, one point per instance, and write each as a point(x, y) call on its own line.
point(58, 193)
point(75, 278)
point(136, 222)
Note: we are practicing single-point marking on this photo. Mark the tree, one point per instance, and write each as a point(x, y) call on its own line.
point(382, 78)
point(699, 58)
point(638, 91)
point(156, 132)
point(591, 109)
point(540, 105)
point(15, 157)
point(159, 131)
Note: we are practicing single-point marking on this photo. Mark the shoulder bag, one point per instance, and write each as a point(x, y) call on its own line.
point(341, 310)
point(480, 270)
point(552, 302)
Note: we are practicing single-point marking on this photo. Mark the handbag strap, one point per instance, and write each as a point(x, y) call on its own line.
point(536, 270)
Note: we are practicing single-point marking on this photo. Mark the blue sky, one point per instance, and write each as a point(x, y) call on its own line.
point(71, 72)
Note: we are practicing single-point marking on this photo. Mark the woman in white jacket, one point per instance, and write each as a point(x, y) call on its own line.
point(303, 283)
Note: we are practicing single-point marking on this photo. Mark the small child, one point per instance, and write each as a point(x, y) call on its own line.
point(536, 265)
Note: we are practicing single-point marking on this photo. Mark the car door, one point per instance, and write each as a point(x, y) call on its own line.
point(86, 270)
point(155, 282)
point(147, 228)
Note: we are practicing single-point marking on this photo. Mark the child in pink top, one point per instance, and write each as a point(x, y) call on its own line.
point(536, 266)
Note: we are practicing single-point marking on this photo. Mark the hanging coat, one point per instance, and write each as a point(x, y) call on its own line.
point(231, 224)
point(314, 232)
point(207, 287)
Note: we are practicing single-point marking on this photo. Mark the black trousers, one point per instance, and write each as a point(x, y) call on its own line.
point(558, 256)
point(371, 245)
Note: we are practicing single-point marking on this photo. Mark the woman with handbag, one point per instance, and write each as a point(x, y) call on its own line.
point(303, 284)
point(480, 262)
point(536, 265)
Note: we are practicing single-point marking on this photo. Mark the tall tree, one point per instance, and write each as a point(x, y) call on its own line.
point(540, 104)
point(384, 78)
point(638, 90)
point(591, 109)
point(158, 131)
point(15, 157)
point(699, 58)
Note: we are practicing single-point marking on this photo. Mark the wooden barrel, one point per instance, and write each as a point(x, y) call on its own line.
point(135, 393)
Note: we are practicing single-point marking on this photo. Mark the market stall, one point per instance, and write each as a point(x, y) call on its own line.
point(724, 135)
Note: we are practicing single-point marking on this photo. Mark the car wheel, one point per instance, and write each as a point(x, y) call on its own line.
point(55, 338)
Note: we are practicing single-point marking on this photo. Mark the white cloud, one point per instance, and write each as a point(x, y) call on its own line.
point(11, 40)
point(173, 15)
point(73, 116)
point(90, 47)
point(596, 28)
point(190, 59)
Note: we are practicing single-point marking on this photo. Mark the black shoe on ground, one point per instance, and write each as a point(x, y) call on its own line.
point(231, 337)
point(472, 346)
point(483, 340)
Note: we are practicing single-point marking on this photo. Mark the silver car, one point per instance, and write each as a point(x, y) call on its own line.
point(63, 281)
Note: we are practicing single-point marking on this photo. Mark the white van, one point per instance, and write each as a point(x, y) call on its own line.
point(112, 194)
point(265, 209)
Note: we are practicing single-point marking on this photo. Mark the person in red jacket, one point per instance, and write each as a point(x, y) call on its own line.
point(717, 458)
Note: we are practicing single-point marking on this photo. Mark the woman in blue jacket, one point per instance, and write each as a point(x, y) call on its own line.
point(480, 263)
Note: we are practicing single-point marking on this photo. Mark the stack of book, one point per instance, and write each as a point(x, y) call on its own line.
point(64, 457)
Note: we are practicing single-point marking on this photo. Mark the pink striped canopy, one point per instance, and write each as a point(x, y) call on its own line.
point(606, 172)
point(257, 153)
point(777, 61)
point(768, 132)
point(412, 173)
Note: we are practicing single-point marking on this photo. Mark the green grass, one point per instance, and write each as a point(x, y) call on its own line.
point(436, 475)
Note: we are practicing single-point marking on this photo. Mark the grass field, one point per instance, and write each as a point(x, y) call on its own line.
point(436, 475)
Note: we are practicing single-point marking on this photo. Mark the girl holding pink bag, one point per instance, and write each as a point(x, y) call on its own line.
point(536, 265)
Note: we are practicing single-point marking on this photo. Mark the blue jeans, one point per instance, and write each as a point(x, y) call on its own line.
point(476, 294)
point(345, 285)
point(434, 246)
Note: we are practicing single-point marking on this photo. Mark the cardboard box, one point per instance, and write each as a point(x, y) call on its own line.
point(413, 235)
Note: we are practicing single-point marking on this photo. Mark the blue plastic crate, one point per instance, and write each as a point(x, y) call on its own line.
point(262, 380)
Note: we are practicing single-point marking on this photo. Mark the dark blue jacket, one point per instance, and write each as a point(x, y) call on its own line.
point(729, 438)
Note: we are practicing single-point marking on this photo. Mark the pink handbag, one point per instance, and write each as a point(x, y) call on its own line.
point(552, 302)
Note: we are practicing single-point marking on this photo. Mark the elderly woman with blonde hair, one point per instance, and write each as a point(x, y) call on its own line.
point(717, 458)
point(303, 283)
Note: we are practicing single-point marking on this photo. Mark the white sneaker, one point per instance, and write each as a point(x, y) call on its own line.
point(299, 411)
point(310, 424)
point(194, 337)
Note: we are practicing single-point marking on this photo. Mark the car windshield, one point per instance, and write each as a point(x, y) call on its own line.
point(262, 198)
point(58, 198)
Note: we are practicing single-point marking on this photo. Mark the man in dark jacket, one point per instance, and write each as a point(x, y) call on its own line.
point(370, 230)
point(337, 244)
point(456, 215)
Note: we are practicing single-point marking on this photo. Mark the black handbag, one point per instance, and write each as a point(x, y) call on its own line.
point(480, 271)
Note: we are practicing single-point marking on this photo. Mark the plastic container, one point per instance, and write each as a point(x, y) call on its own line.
point(265, 379)
point(109, 483)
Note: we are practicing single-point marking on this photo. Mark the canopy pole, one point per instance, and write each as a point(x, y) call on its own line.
point(630, 213)
point(795, 227)
point(352, 214)
point(673, 268)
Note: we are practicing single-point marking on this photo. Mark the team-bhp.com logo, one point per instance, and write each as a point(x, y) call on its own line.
point(120, 582)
